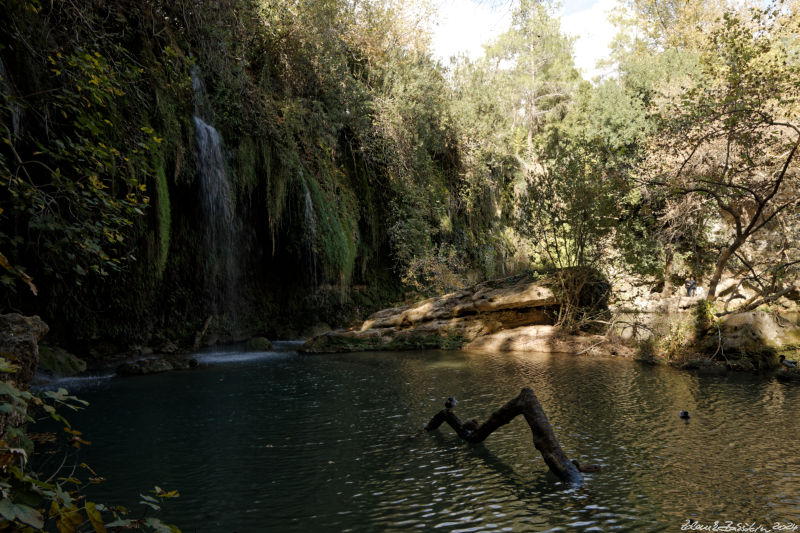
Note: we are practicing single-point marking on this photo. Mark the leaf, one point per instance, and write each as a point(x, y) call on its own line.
point(126, 523)
point(22, 513)
point(70, 521)
point(20, 274)
point(95, 517)
point(159, 526)
point(30, 516)
point(7, 366)
point(61, 394)
point(8, 390)
point(89, 468)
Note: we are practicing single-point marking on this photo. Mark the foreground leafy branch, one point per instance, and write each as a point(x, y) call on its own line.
point(32, 500)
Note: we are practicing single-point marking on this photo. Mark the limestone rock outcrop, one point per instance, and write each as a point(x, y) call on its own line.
point(754, 331)
point(19, 343)
point(512, 314)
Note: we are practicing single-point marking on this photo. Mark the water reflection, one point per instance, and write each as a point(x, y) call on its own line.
point(290, 443)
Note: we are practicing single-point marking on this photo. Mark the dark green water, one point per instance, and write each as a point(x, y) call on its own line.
point(286, 442)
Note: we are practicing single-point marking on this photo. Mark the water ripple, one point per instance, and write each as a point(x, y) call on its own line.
point(277, 441)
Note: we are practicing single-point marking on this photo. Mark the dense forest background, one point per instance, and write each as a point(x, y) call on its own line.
point(276, 164)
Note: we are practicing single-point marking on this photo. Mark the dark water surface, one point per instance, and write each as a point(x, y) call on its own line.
point(286, 442)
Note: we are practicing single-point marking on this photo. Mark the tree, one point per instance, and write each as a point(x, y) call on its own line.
point(537, 61)
point(731, 139)
point(674, 24)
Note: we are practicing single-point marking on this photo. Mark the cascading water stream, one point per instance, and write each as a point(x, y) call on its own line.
point(222, 226)
point(311, 229)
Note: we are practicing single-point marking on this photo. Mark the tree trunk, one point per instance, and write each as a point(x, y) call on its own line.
point(525, 404)
point(721, 263)
point(668, 257)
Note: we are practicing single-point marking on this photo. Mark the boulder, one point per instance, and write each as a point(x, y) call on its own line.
point(19, 344)
point(541, 338)
point(168, 347)
point(155, 365)
point(60, 362)
point(754, 331)
point(493, 296)
point(259, 344)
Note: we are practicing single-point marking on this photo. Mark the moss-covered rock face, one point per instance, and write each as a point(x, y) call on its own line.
point(332, 177)
point(60, 362)
point(19, 337)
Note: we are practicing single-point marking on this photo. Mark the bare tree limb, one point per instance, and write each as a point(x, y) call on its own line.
point(525, 404)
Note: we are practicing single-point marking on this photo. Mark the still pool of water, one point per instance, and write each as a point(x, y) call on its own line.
point(287, 442)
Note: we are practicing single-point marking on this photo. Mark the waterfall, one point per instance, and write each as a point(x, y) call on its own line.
point(222, 227)
point(311, 223)
point(311, 237)
point(215, 189)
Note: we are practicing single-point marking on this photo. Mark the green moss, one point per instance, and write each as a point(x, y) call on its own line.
point(164, 218)
point(59, 361)
point(247, 163)
point(755, 359)
point(334, 226)
point(259, 344)
point(426, 342)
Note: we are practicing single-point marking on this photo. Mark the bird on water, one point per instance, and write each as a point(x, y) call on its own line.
point(586, 468)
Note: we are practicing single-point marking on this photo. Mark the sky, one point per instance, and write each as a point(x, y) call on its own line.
point(465, 25)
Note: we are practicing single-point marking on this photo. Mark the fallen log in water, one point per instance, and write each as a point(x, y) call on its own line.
point(525, 404)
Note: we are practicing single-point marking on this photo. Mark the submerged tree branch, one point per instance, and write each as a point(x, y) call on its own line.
point(525, 404)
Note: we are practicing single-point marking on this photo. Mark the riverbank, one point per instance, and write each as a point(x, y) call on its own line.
point(521, 314)
point(515, 314)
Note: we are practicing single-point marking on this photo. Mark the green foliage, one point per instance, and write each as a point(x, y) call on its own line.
point(704, 318)
point(331, 226)
point(439, 271)
point(77, 192)
point(571, 205)
point(411, 341)
point(38, 501)
point(350, 150)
